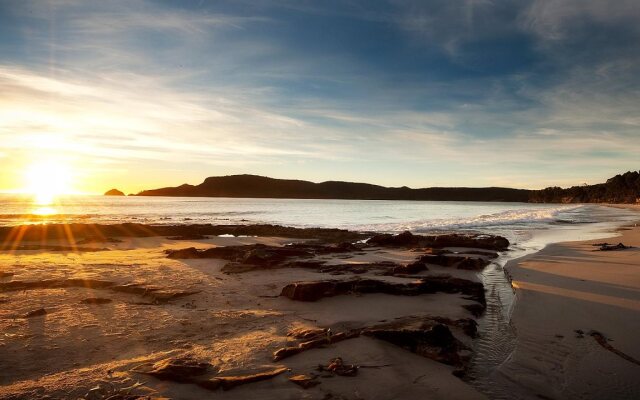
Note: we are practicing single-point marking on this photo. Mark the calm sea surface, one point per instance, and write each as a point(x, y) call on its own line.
point(377, 215)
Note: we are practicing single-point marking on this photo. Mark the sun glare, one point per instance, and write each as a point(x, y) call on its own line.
point(46, 180)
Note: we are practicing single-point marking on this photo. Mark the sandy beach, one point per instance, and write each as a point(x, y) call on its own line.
point(572, 298)
point(121, 316)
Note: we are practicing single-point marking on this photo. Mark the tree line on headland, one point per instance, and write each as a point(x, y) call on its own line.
point(623, 188)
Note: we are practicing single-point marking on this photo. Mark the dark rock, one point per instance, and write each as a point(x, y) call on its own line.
point(309, 291)
point(230, 382)
point(473, 264)
point(407, 239)
point(338, 367)
point(488, 254)
point(440, 259)
point(436, 343)
point(178, 369)
point(489, 242)
point(460, 262)
point(306, 334)
point(469, 326)
point(35, 313)
point(187, 253)
point(475, 309)
point(37, 232)
point(256, 254)
point(313, 291)
point(189, 237)
point(316, 342)
point(305, 381)
point(95, 300)
point(610, 247)
point(412, 268)
point(98, 239)
point(286, 352)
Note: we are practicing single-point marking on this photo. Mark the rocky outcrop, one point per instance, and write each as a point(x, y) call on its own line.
point(95, 300)
point(459, 262)
point(113, 192)
point(407, 239)
point(305, 381)
point(189, 370)
point(35, 313)
point(338, 367)
point(178, 369)
point(436, 342)
point(37, 232)
point(316, 290)
point(429, 337)
point(260, 254)
point(321, 339)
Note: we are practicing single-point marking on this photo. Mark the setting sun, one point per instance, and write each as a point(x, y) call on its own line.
point(47, 179)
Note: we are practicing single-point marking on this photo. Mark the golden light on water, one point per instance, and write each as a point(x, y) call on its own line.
point(44, 211)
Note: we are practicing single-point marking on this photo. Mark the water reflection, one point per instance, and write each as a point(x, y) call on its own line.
point(44, 211)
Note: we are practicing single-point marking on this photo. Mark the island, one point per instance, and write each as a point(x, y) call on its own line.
point(113, 192)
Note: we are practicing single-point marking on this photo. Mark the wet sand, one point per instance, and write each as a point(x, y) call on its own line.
point(576, 320)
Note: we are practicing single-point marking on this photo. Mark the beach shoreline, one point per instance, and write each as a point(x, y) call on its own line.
point(567, 296)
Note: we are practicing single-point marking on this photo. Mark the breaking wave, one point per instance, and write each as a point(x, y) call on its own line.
point(504, 219)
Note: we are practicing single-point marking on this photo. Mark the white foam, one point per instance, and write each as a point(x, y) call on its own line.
point(523, 216)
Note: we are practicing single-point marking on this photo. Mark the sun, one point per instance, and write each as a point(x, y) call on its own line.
point(46, 180)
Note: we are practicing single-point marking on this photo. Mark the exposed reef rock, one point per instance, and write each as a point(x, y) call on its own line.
point(459, 262)
point(35, 313)
point(407, 239)
point(314, 291)
point(313, 342)
point(178, 369)
point(78, 231)
point(436, 342)
point(188, 370)
point(430, 337)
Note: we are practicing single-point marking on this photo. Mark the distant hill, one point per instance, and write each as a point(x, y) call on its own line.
point(253, 186)
point(623, 188)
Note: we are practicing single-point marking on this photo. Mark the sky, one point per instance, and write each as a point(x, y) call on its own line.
point(140, 94)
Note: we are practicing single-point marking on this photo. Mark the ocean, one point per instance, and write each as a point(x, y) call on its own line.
point(517, 221)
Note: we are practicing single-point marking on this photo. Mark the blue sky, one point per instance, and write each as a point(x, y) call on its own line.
point(139, 94)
